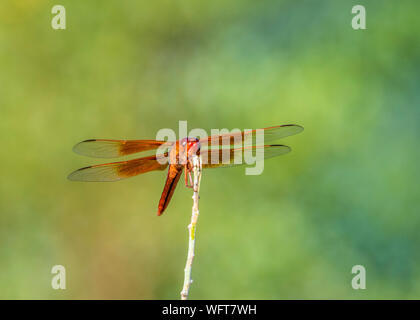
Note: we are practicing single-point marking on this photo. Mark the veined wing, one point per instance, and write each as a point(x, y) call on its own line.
point(216, 158)
point(118, 170)
point(237, 138)
point(105, 148)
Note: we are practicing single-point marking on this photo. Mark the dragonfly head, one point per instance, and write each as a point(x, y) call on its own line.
point(191, 146)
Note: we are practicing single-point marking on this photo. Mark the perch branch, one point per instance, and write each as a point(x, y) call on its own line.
point(192, 226)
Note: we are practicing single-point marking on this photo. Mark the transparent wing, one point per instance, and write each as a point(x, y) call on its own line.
point(214, 158)
point(236, 138)
point(118, 170)
point(105, 148)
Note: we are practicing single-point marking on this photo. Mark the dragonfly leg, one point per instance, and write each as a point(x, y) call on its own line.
point(190, 177)
point(187, 173)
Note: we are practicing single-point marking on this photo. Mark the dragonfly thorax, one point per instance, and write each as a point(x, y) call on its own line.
point(184, 150)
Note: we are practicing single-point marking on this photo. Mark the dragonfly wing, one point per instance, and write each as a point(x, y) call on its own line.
point(237, 138)
point(213, 158)
point(105, 148)
point(118, 170)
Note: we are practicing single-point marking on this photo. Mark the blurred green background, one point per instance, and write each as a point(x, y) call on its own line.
point(347, 194)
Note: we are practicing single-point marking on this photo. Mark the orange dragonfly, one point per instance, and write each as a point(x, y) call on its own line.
point(178, 157)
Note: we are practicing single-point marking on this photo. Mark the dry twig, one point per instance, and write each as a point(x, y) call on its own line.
point(192, 227)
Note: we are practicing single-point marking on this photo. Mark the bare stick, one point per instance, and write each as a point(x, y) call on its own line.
point(191, 227)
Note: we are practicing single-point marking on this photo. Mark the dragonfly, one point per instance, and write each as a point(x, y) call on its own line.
point(221, 150)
